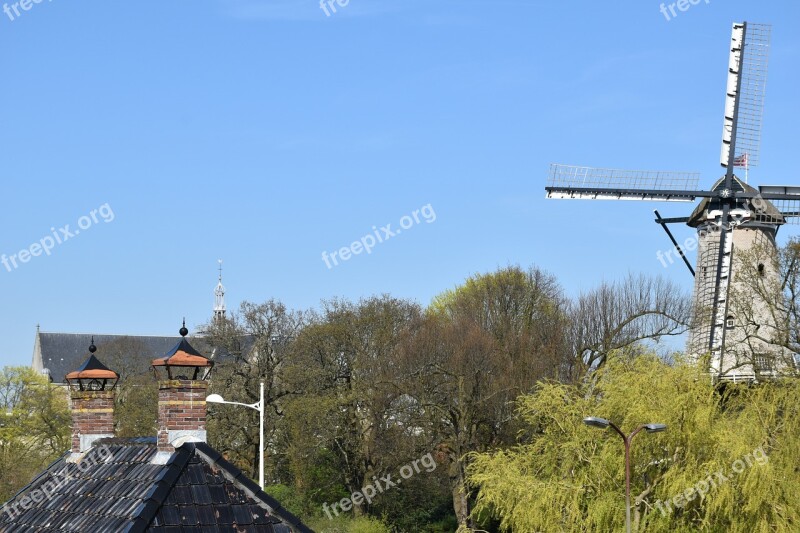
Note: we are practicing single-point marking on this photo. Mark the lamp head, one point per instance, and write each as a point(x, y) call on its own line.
point(214, 398)
point(655, 428)
point(593, 421)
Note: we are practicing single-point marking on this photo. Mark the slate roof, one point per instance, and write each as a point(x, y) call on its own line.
point(119, 486)
point(64, 352)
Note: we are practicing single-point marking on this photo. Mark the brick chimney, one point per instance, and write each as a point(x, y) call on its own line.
point(91, 391)
point(182, 387)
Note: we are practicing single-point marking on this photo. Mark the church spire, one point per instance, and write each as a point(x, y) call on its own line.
point(219, 297)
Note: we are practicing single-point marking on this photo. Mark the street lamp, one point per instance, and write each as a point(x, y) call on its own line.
point(602, 423)
point(258, 406)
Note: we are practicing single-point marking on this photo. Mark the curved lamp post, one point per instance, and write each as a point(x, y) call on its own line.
point(258, 406)
point(602, 423)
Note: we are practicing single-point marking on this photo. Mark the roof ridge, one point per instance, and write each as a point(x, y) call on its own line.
point(279, 510)
point(159, 491)
point(115, 335)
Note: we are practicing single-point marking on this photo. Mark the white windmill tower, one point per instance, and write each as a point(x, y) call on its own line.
point(733, 221)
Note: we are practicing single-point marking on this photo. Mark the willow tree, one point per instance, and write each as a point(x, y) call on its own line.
point(727, 461)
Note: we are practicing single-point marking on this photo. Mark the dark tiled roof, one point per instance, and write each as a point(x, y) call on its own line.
point(64, 352)
point(119, 486)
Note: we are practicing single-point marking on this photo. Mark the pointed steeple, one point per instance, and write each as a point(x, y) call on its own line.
point(219, 297)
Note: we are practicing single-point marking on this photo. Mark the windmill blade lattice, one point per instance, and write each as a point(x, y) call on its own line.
point(747, 86)
point(580, 182)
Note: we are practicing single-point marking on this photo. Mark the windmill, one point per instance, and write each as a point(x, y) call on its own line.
point(732, 216)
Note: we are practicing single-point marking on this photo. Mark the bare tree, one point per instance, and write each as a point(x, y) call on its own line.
point(136, 402)
point(249, 347)
point(616, 315)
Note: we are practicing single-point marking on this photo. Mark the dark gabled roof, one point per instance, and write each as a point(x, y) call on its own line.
point(64, 352)
point(120, 486)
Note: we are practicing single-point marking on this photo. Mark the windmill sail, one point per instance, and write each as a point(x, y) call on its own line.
point(785, 198)
point(744, 99)
point(575, 182)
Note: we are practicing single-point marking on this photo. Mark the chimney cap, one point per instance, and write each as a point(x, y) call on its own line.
point(183, 355)
point(92, 375)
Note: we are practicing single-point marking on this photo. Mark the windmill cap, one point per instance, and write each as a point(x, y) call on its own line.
point(766, 209)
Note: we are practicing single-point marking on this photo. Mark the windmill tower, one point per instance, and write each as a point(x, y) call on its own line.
point(736, 225)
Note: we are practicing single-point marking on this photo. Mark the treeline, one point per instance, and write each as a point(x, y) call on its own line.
point(384, 415)
point(357, 390)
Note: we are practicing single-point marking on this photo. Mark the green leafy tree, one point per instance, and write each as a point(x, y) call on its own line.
point(34, 426)
point(353, 397)
point(478, 348)
point(727, 461)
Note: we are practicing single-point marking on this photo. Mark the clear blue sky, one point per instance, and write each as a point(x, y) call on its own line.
point(264, 132)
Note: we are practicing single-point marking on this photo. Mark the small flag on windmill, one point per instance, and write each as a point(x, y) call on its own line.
point(743, 161)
